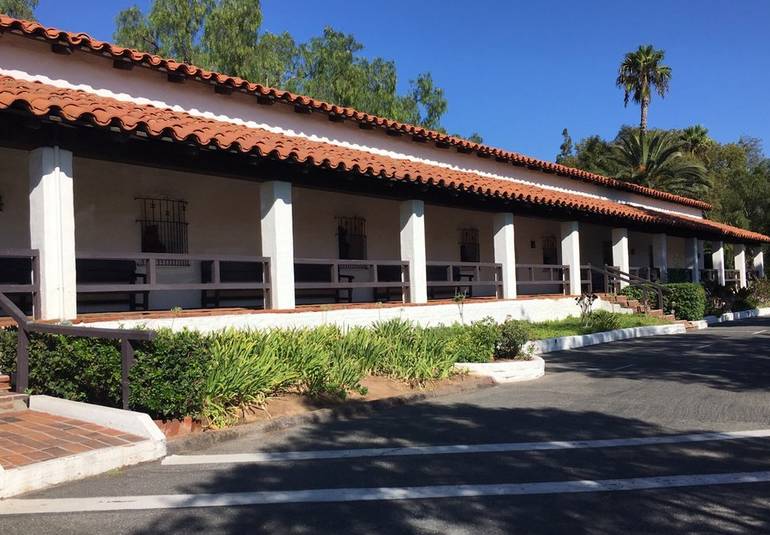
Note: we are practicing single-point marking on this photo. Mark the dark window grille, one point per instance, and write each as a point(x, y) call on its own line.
point(469, 245)
point(550, 253)
point(164, 227)
point(351, 238)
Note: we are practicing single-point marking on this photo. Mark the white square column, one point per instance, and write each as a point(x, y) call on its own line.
point(740, 264)
point(52, 230)
point(692, 257)
point(660, 255)
point(277, 229)
point(620, 256)
point(759, 264)
point(413, 248)
point(570, 254)
point(718, 260)
point(505, 253)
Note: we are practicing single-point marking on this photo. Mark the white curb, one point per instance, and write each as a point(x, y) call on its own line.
point(550, 345)
point(731, 316)
point(512, 371)
point(90, 463)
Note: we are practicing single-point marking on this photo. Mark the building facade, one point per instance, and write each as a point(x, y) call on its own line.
point(130, 182)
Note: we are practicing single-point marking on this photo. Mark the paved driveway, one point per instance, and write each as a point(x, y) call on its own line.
point(616, 438)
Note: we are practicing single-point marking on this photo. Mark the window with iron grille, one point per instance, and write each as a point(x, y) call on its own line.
point(469, 245)
point(163, 224)
point(351, 238)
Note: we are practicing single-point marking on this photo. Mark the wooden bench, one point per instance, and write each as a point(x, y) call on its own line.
point(98, 271)
point(232, 272)
point(17, 271)
point(321, 273)
point(439, 274)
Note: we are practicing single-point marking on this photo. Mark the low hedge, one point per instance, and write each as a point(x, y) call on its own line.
point(686, 300)
point(209, 375)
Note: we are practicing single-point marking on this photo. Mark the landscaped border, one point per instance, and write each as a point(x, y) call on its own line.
point(731, 316)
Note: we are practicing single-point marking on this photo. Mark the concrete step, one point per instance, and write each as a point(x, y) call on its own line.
point(12, 402)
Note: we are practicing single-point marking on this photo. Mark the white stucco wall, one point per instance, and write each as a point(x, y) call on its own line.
point(27, 59)
point(535, 310)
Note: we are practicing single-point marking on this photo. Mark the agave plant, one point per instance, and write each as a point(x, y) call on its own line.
point(657, 160)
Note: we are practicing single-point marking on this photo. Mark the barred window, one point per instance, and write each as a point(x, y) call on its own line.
point(469, 245)
point(351, 238)
point(163, 224)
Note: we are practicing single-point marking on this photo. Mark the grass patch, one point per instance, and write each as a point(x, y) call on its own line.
point(572, 326)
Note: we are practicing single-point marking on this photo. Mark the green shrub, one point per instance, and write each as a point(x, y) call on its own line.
point(601, 321)
point(244, 369)
point(686, 300)
point(760, 292)
point(513, 335)
point(636, 292)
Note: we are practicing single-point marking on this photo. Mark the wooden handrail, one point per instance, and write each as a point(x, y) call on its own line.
point(126, 337)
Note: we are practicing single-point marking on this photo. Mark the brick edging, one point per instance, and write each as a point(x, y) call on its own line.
point(357, 408)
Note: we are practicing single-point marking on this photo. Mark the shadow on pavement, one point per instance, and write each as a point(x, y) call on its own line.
point(730, 509)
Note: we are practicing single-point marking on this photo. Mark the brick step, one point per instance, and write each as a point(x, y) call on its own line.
point(5, 383)
point(12, 402)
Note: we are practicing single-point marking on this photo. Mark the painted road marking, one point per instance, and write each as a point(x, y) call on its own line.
point(266, 457)
point(622, 367)
point(760, 332)
point(178, 501)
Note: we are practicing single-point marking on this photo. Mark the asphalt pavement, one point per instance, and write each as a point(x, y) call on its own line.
point(657, 435)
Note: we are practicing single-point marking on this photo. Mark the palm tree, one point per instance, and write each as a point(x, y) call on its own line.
point(657, 161)
point(639, 72)
point(696, 141)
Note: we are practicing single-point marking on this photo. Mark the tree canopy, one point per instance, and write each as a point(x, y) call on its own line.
point(227, 36)
point(640, 72)
point(20, 9)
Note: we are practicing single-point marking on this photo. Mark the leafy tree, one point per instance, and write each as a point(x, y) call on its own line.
point(592, 154)
point(657, 161)
point(20, 9)
point(224, 35)
point(640, 72)
point(566, 147)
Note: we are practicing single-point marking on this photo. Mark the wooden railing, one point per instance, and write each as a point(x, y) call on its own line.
point(19, 274)
point(146, 273)
point(708, 275)
point(126, 337)
point(647, 273)
point(340, 275)
point(465, 276)
point(555, 275)
point(732, 275)
point(613, 277)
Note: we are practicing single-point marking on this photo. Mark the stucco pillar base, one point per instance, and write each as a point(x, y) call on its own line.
point(278, 241)
point(570, 254)
point(718, 261)
point(505, 253)
point(52, 230)
point(412, 236)
point(620, 255)
point(740, 265)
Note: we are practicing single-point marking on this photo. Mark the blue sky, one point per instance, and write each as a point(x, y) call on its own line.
point(518, 72)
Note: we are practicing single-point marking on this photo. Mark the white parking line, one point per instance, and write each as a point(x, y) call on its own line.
point(178, 501)
point(760, 332)
point(266, 457)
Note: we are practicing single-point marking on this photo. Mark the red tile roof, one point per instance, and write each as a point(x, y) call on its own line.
point(75, 105)
point(84, 41)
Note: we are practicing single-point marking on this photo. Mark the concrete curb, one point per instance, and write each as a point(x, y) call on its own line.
point(90, 463)
point(73, 467)
point(362, 408)
point(513, 371)
point(550, 345)
point(731, 316)
point(134, 423)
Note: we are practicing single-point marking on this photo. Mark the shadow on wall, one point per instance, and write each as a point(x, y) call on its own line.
point(711, 358)
point(434, 423)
